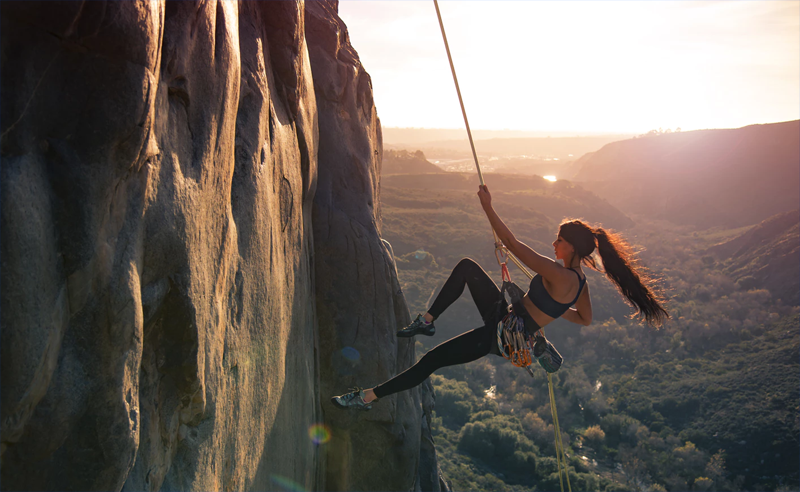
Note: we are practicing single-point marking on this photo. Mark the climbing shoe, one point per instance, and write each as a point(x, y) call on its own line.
point(418, 327)
point(354, 399)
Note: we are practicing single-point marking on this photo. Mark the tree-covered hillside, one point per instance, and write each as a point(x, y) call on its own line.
point(403, 161)
point(708, 402)
point(767, 256)
point(706, 178)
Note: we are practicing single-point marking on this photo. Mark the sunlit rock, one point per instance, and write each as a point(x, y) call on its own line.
point(159, 299)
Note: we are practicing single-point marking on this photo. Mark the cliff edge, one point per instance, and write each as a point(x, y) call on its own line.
point(189, 241)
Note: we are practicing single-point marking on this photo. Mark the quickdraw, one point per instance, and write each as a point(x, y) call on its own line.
point(501, 253)
point(513, 340)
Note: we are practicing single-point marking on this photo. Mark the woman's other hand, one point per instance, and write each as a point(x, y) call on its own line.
point(485, 197)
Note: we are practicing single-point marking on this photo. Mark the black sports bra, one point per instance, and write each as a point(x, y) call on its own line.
point(542, 299)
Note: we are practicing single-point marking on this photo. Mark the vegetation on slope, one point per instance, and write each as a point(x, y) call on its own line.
point(709, 402)
point(403, 161)
point(705, 178)
point(767, 256)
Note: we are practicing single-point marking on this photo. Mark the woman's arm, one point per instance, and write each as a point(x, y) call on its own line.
point(582, 312)
point(542, 265)
point(572, 316)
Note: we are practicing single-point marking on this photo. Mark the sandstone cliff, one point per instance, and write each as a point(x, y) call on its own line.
point(189, 241)
point(359, 302)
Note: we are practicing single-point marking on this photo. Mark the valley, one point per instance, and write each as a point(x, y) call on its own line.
point(708, 402)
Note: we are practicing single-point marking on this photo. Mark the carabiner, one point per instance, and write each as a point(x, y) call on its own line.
point(501, 253)
point(504, 272)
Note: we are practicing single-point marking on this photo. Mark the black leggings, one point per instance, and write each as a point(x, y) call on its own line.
point(464, 348)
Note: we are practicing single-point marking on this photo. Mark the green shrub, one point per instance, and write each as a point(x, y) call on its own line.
point(702, 483)
point(594, 435)
point(499, 441)
point(455, 402)
point(482, 415)
point(747, 282)
point(620, 428)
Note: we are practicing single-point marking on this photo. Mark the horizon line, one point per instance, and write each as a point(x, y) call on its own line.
point(578, 132)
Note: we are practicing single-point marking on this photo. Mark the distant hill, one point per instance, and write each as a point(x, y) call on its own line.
point(554, 152)
point(417, 136)
point(564, 148)
point(702, 178)
point(554, 200)
point(766, 256)
point(405, 162)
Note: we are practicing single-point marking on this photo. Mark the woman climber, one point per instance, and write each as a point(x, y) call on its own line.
point(553, 291)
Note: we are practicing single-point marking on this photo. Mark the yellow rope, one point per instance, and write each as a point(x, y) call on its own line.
point(560, 457)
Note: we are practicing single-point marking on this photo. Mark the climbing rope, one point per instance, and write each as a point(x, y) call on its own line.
point(561, 459)
point(458, 90)
point(502, 254)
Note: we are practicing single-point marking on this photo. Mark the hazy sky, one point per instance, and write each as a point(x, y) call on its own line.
point(625, 66)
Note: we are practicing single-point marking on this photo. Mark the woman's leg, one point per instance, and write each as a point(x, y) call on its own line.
point(464, 348)
point(481, 286)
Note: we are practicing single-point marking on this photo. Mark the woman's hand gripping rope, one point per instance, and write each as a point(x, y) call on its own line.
point(485, 197)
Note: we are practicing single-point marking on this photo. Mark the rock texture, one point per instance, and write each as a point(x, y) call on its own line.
point(161, 325)
point(359, 302)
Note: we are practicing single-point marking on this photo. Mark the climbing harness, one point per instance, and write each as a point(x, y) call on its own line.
point(522, 348)
point(513, 344)
point(514, 341)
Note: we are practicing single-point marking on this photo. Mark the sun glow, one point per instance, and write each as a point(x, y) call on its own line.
point(550, 178)
point(581, 66)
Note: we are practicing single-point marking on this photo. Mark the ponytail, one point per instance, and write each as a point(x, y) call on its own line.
point(621, 268)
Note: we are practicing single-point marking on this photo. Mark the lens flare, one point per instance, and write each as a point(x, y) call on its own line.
point(286, 484)
point(351, 354)
point(319, 434)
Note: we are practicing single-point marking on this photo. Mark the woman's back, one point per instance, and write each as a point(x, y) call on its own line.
point(544, 306)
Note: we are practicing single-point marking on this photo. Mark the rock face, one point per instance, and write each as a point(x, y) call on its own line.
point(161, 325)
point(359, 302)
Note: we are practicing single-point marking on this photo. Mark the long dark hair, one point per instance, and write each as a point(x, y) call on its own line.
point(619, 265)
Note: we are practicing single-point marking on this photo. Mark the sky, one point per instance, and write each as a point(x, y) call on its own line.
point(581, 66)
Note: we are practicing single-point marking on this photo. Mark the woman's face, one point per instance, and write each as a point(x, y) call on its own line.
point(563, 249)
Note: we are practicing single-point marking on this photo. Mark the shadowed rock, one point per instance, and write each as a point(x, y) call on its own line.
point(166, 309)
point(359, 302)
